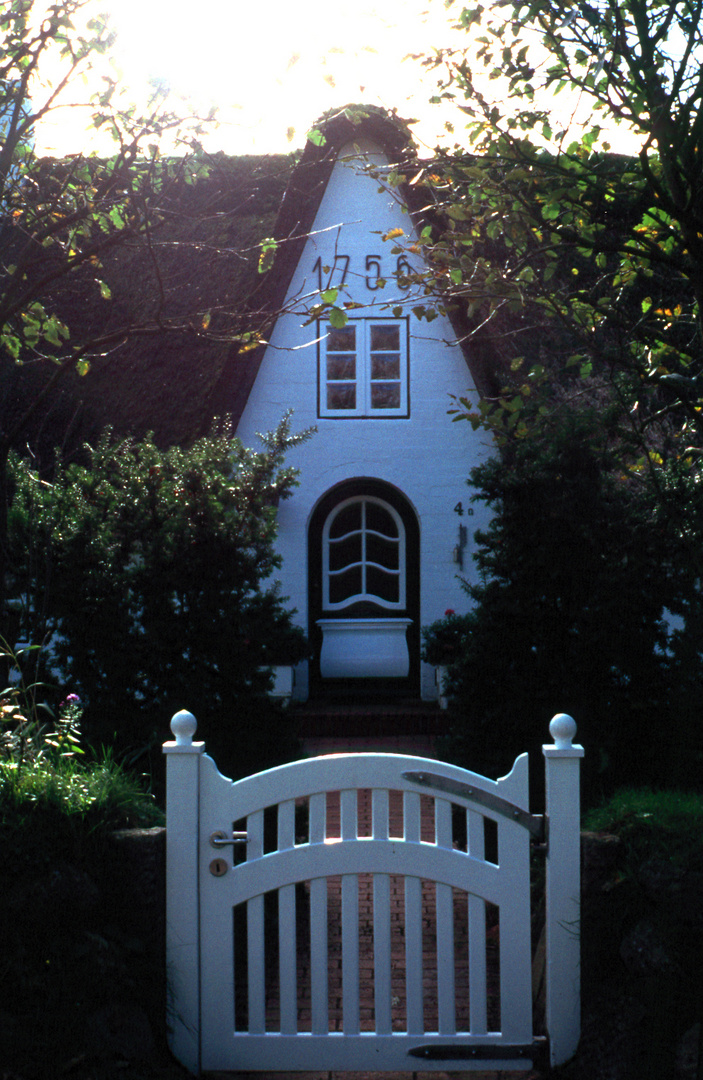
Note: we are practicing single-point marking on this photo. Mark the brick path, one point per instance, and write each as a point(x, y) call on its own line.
point(420, 746)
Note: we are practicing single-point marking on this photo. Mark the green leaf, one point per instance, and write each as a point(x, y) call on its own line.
point(268, 254)
point(338, 318)
point(12, 343)
point(458, 213)
point(316, 137)
point(51, 331)
point(116, 218)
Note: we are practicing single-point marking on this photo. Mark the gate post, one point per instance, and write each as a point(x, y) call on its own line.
point(182, 889)
point(563, 891)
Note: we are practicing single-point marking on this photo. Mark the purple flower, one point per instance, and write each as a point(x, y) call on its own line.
point(73, 699)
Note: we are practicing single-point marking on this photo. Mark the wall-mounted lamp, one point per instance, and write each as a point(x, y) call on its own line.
point(458, 553)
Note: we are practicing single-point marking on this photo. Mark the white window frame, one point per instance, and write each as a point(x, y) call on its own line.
point(364, 595)
point(362, 377)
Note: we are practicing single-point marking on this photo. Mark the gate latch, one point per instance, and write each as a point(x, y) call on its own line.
point(220, 839)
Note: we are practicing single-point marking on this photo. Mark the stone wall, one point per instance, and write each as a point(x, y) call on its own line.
point(84, 965)
point(642, 957)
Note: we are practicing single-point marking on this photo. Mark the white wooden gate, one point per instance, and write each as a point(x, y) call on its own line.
point(366, 912)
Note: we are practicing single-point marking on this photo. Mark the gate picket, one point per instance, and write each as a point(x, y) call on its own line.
point(444, 900)
point(287, 932)
point(318, 917)
point(255, 933)
point(356, 988)
point(478, 969)
point(383, 993)
point(413, 921)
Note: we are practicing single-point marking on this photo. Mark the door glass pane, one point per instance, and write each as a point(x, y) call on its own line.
point(348, 518)
point(381, 551)
point(345, 585)
point(380, 520)
point(345, 552)
point(382, 584)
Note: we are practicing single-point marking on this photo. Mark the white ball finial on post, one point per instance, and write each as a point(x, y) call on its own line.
point(183, 726)
point(562, 729)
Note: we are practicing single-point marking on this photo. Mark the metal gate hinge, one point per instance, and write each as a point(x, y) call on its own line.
point(534, 823)
point(481, 1052)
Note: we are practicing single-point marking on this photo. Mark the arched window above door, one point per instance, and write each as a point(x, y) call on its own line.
point(363, 555)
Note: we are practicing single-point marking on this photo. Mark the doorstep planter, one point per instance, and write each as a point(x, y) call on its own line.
point(364, 648)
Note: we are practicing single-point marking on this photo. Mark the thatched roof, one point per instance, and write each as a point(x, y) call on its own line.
point(200, 261)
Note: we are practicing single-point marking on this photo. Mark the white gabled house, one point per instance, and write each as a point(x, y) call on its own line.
point(379, 532)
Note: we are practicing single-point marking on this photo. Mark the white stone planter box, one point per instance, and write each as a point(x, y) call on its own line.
point(364, 648)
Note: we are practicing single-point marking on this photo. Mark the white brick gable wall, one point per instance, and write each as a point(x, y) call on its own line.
point(424, 455)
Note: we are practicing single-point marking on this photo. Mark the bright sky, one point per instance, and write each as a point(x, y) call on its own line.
point(273, 67)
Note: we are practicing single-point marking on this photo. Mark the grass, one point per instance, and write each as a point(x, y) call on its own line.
point(46, 773)
point(653, 824)
point(66, 809)
point(100, 790)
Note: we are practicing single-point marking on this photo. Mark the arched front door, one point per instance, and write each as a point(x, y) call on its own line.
point(364, 574)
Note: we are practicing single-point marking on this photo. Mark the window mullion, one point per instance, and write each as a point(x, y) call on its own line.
point(363, 374)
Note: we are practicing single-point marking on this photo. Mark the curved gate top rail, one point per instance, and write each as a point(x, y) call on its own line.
point(377, 887)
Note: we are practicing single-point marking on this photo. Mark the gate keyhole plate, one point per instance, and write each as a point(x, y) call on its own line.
point(218, 867)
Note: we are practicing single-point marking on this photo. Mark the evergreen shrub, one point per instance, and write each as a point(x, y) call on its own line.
point(147, 574)
point(576, 570)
